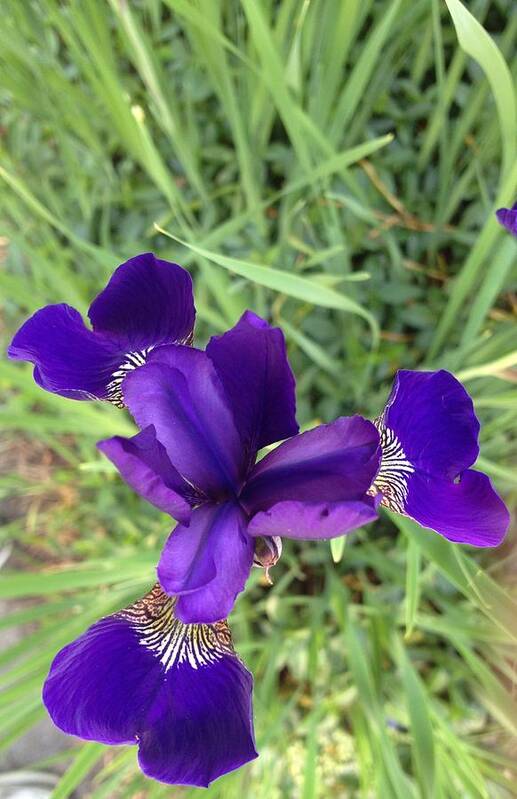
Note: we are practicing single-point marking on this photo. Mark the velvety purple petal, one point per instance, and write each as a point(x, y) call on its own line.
point(429, 435)
point(98, 683)
point(68, 358)
point(214, 731)
point(179, 393)
point(433, 418)
point(468, 511)
point(251, 361)
point(313, 520)
point(145, 466)
point(146, 302)
point(331, 463)
point(186, 563)
point(507, 217)
point(207, 563)
point(141, 676)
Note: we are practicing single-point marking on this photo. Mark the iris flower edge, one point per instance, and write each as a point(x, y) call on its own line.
point(429, 440)
point(146, 303)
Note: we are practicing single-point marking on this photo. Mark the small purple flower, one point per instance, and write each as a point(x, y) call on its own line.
point(203, 417)
point(147, 302)
point(429, 439)
point(142, 677)
point(508, 218)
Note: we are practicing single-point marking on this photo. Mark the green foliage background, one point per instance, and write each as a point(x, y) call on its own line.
point(335, 165)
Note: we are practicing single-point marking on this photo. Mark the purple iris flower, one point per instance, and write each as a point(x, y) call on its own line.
point(147, 302)
point(508, 218)
point(203, 417)
point(179, 691)
point(429, 439)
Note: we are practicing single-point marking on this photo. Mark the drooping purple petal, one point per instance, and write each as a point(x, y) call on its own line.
point(145, 466)
point(179, 393)
point(207, 563)
point(215, 734)
point(429, 439)
point(433, 418)
point(507, 217)
point(179, 691)
point(332, 463)
point(146, 302)
point(313, 520)
point(252, 364)
point(68, 359)
point(468, 511)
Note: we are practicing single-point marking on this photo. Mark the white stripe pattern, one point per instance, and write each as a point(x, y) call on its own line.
point(171, 641)
point(132, 362)
point(392, 478)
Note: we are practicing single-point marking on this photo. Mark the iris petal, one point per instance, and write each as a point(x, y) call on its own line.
point(315, 484)
point(507, 217)
point(313, 520)
point(332, 463)
point(433, 418)
point(208, 563)
point(429, 437)
point(251, 362)
point(145, 466)
point(468, 511)
point(179, 691)
point(146, 302)
point(179, 393)
point(68, 359)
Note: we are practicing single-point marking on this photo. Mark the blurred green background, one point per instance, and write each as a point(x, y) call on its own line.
point(335, 166)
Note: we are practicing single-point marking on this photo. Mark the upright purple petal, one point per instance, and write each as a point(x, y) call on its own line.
point(207, 563)
point(68, 358)
point(433, 417)
point(507, 217)
point(468, 511)
point(429, 437)
point(252, 364)
point(179, 393)
point(331, 463)
point(179, 691)
point(315, 484)
point(146, 302)
point(145, 466)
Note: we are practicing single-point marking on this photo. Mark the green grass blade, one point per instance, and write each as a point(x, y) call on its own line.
point(477, 43)
point(413, 561)
point(300, 288)
point(87, 757)
point(422, 737)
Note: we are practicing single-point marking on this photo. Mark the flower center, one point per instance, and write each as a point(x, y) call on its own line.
point(171, 641)
point(132, 362)
point(392, 478)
